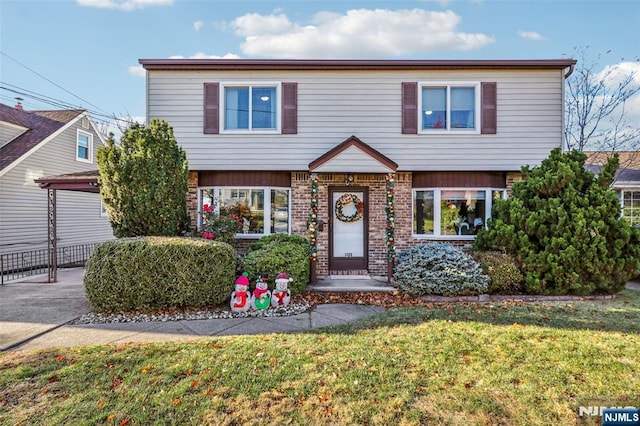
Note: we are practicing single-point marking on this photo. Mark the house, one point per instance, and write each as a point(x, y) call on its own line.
point(365, 157)
point(34, 145)
point(626, 183)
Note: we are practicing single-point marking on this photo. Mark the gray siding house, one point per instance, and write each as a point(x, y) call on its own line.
point(365, 157)
point(36, 144)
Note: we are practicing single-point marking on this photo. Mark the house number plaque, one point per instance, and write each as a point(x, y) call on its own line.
point(347, 255)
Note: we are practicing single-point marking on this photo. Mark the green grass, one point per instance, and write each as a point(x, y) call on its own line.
point(511, 364)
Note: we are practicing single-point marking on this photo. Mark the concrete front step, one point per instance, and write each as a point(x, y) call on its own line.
point(343, 284)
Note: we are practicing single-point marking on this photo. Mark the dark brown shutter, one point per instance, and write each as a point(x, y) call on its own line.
point(211, 108)
point(488, 108)
point(289, 108)
point(409, 108)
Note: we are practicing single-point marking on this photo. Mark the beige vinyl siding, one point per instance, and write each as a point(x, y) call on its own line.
point(23, 204)
point(334, 105)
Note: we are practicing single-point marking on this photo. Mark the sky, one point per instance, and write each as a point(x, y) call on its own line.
point(59, 54)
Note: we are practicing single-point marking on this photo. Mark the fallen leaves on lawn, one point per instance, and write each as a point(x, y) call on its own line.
point(386, 299)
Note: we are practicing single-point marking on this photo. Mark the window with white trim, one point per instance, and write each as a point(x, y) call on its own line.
point(452, 213)
point(263, 211)
point(631, 206)
point(84, 146)
point(449, 107)
point(250, 107)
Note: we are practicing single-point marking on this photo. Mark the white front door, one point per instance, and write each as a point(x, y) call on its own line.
point(348, 228)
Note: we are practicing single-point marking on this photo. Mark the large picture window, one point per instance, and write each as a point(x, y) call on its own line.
point(263, 211)
point(449, 107)
point(452, 213)
point(250, 107)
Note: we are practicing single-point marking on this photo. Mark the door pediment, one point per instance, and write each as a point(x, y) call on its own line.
point(353, 156)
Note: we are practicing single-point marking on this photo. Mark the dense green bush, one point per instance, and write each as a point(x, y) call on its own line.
point(438, 268)
point(154, 272)
point(280, 238)
point(143, 181)
point(274, 257)
point(563, 224)
point(504, 273)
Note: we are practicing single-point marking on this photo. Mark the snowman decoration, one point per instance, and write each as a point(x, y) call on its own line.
point(241, 298)
point(281, 294)
point(261, 295)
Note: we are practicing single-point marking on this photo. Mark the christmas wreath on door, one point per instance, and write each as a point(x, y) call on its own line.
point(349, 200)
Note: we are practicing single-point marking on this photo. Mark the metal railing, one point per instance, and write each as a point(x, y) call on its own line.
point(24, 264)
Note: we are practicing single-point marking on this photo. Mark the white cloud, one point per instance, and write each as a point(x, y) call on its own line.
point(126, 5)
point(530, 35)
point(197, 25)
point(137, 71)
point(364, 33)
point(201, 55)
point(615, 74)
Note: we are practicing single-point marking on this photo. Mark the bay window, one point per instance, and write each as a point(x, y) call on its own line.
point(261, 211)
point(456, 213)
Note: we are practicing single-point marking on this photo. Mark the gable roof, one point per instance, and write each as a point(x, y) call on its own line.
point(353, 155)
point(39, 124)
point(627, 175)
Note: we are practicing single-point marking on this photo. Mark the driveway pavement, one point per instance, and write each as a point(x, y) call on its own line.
point(35, 315)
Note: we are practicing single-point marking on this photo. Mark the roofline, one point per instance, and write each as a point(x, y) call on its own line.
point(348, 64)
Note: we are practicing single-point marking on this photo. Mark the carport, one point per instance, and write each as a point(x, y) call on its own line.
point(79, 181)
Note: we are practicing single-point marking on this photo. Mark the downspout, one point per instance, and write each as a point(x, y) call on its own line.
point(564, 104)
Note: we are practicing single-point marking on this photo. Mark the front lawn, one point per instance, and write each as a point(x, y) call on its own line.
point(508, 363)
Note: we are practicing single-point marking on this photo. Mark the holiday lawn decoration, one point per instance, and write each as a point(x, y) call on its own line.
point(349, 200)
point(261, 295)
point(281, 294)
point(241, 298)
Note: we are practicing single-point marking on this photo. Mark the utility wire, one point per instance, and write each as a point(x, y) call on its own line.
point(55, 84)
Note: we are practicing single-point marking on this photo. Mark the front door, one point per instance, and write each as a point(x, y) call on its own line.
point(348, 228)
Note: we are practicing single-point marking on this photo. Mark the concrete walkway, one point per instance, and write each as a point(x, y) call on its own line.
point(35, 315)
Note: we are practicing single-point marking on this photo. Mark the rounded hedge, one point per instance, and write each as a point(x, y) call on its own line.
point(504, 273)
point(145, 273)
point(286, 255)
point(438, 269)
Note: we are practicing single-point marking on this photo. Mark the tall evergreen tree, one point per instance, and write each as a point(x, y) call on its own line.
point(144, 181)
point(563, 223)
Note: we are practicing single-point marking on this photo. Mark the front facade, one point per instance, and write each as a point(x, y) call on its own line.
point(37, 144)
point(363, 157)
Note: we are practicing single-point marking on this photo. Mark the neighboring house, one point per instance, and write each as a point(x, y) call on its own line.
point(363, 156)
point(37, 144)
point(627, 180)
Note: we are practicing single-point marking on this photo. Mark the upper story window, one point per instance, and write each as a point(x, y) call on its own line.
point(84, 146)
point(265, 107)
point(449, 107)
point(251, 107)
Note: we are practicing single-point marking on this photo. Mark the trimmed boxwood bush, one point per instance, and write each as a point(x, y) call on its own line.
point(440, 269)
point(146, 273)
point(504, 273)
point(280, 238)
point(291, 255)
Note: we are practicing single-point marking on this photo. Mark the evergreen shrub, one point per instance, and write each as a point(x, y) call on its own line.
point(563, 224)
point(282, 254)
point(280, 238)
point(146, 273)
point(504, 273)
point(438, 269)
